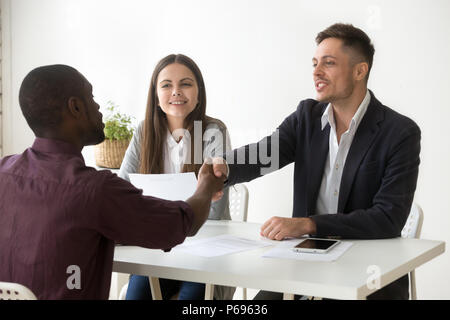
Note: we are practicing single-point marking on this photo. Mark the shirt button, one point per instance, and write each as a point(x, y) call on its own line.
point(335, 192)
point(337, 166)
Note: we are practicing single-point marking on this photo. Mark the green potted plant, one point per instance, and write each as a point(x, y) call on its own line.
point(118, 133)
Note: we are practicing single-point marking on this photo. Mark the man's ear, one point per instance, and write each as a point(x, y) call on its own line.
point(75, 107)
point(360, 71)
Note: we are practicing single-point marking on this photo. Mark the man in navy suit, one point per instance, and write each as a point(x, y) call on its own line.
point(356, 160)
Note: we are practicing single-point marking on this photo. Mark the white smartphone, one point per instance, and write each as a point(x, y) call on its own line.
point(313, 245)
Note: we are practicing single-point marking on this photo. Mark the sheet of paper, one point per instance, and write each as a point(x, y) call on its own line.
point(284, 251)
point(176, 186)
point(220, 245)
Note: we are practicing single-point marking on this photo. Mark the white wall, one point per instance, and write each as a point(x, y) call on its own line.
point(256, 59)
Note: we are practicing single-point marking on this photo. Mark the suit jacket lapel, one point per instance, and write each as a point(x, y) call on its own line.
point(365, 134)
point(318, 154)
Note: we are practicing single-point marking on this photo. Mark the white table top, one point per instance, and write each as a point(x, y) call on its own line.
point(345, 278)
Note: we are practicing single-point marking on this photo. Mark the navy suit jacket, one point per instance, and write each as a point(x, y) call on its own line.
point(378, 180)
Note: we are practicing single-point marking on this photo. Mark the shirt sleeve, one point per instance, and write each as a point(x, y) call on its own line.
point(269, 154)
point(131, 160)
point(128, 217)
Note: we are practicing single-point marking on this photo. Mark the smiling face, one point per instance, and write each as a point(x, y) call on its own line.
point(177, 91)
point(334, 71)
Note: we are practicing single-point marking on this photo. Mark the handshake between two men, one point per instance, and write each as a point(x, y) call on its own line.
point(211, 178)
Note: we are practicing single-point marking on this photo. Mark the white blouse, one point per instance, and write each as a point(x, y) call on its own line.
point(175, 156)
point(175, 153)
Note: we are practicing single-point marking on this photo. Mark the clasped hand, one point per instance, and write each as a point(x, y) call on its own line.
point(211, 176)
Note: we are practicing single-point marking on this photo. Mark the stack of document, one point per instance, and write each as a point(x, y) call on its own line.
point(176, 186)
point(220, 245)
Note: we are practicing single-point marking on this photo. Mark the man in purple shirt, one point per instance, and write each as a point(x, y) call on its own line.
point(59, 219)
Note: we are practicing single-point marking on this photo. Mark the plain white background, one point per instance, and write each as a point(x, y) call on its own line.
point(256, 60)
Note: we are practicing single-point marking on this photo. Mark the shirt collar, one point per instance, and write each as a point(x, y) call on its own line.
point(328, 116)
point(55, 146)
point(171, 142)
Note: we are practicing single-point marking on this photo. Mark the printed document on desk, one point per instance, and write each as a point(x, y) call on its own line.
point(284, 251)
point(220, 245)
point(173, 186)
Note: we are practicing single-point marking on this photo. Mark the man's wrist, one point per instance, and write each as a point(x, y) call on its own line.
point(228, 171)
point(204, 191)
point(312, 227)
point(220, 161)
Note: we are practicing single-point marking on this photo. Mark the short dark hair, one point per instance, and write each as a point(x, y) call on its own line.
point(352, 37)
point(43, 93)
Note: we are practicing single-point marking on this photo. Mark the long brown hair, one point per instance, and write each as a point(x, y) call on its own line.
point(155, 124)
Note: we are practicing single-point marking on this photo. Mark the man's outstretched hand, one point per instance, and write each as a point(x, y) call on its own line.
point(211, 177)
point(220, 169)
point(209, 188)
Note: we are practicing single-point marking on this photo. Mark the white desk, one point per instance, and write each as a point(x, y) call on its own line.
point(345, 278)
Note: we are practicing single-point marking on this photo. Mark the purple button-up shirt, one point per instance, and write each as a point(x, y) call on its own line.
point(59, 220)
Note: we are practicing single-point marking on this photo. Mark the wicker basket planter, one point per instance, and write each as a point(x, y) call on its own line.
point(110, 153)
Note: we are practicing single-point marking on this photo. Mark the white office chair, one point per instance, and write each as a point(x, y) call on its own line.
point(238, 210)
point(412, 229)
point(15, 291)
point(123, 292)
point(238, 204)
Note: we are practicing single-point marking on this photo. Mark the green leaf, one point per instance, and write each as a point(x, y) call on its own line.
point(118, 126)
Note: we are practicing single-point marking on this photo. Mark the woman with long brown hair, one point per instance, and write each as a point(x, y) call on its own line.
point(176, 136)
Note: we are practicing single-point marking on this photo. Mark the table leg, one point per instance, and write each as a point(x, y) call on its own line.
point(288, 296)
point(156, 289)
point(209, 291)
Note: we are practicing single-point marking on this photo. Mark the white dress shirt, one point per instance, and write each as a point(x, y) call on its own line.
point(327, 201)
point(175, 154)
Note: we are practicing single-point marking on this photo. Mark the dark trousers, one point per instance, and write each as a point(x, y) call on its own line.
point(397, 290)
